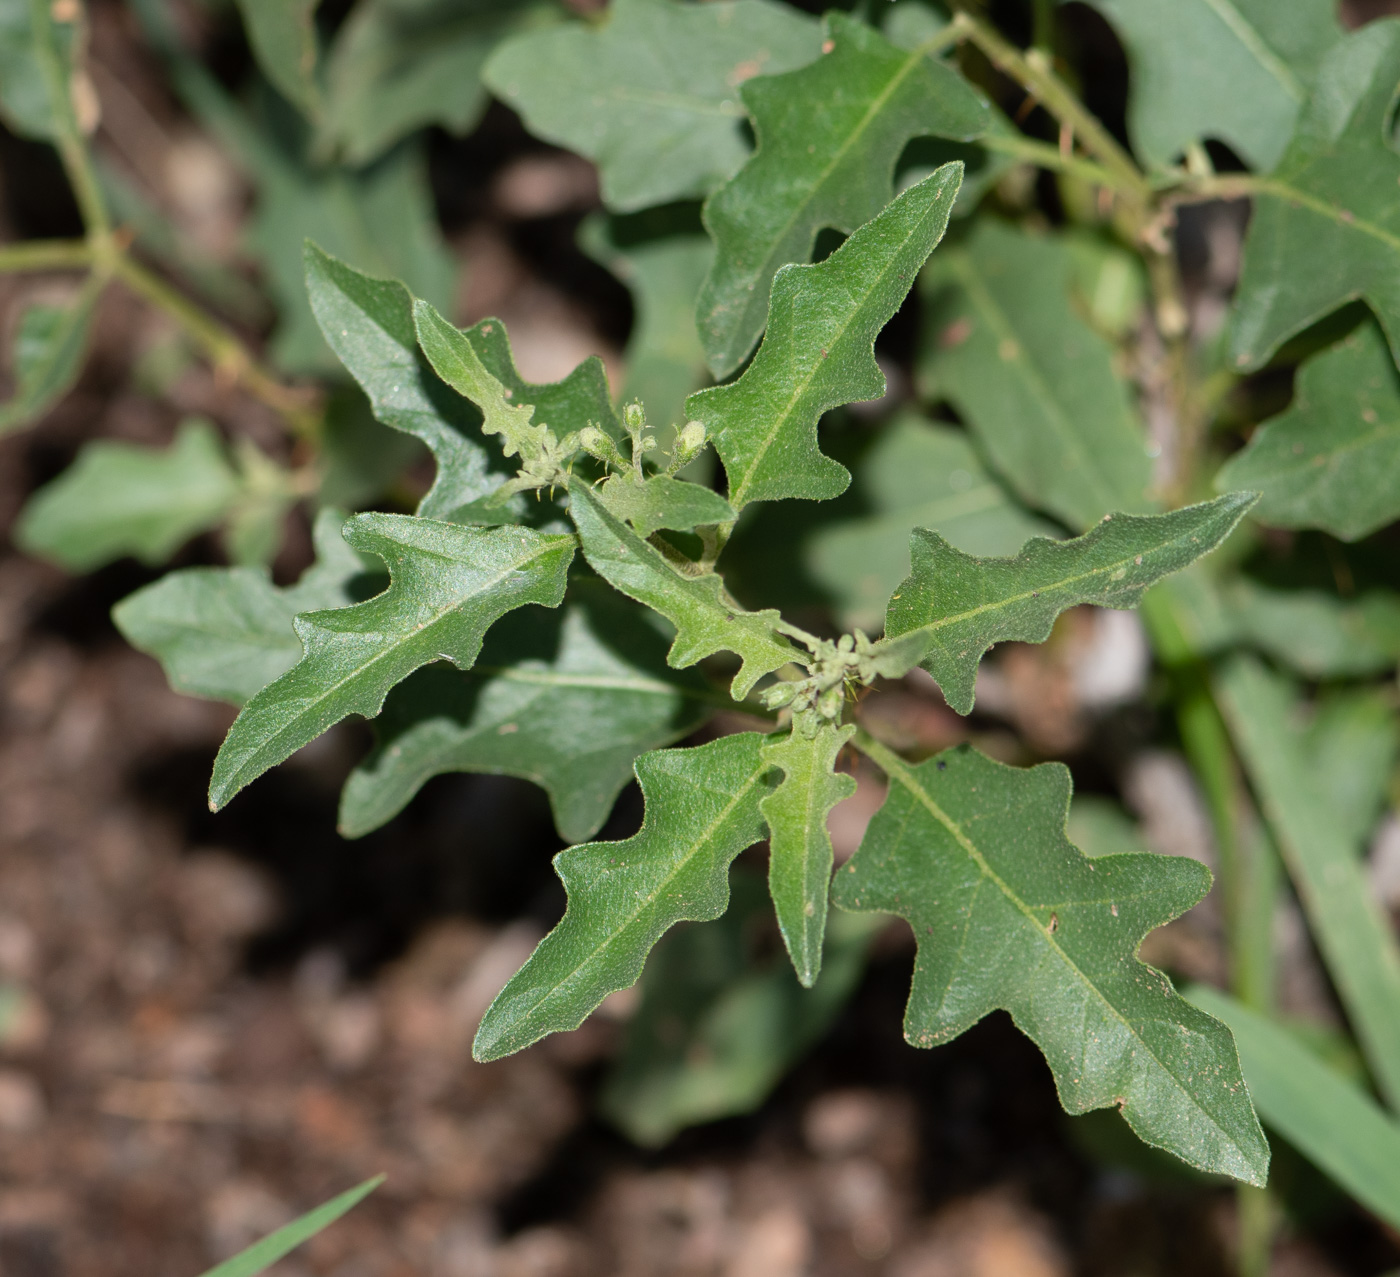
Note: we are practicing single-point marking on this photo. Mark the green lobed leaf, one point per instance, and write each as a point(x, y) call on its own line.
point(261, 1255)
point(718, 1026)
point(799, 843)
point(1035, 383)
point(369, 324)
point(1326, 1116)
point(651, 92)
point(1326, 223)
point(819, 351)
point(1008, 914)
point(663, 268)
point(829, 136)
point(566, 699)
point(1353, 935)
point(1233, 70)
point(1328, 461)
point(455, 360)
point(917, 473)
point(702, 810)
point(448, 583)
point(663, 502)
point(226, 633)
point(706, 620)
point(398, 65)
point(120, 498)
point(50, 343)
point(25, 105)
point(282, 34)
point(953, 607)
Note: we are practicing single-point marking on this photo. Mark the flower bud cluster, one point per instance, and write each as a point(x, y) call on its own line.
point(821, 696)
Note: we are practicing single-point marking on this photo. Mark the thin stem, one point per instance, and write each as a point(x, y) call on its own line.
point(230, 357)
point(797, 632)
point(72, 149)
point(45, 254)
point(881, 755)
point(1032, 71)
point(1052, 158)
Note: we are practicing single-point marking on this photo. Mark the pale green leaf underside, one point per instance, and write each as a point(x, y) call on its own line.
point(706, 621)
point(799, 854)
point(1326, 1116)
point(448, 584)
point(283, 36)
point(917, 474)
point(1233, 70)
point(395, 67)
point(1330, 461)
point(953, 607)
point(716, 1030)
point(567, 700)
point(651, 93)
point(702, 810)
point(829, 137)
point(48, 356)
point(119, 498)
point(1035, 383)
point(1008, 914)
point(1326, 223)
point(25, 105)
point(226, 633)
point(379, 218)
point(818, 351)
point(1316, 634)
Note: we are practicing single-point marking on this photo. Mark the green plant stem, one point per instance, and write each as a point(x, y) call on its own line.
point(45, 254)
point(229, 356)
point(1032, 71)
point(72, 149)
point(1051, 157)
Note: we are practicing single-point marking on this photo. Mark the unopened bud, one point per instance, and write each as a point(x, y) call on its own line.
point(779, 695)
point(634, 418)
point(692, 437)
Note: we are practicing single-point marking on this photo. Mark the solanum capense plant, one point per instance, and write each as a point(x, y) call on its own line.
point(561, 604)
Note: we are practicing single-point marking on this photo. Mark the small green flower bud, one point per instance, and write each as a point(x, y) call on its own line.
point(779, 695)
point(634, 418)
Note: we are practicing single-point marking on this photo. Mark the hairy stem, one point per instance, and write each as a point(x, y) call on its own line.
point(229, 356)
point(1032, 71)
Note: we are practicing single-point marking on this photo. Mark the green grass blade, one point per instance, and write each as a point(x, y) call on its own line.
point(1355, 939)
point(260, 1256)
point(1332, 1122)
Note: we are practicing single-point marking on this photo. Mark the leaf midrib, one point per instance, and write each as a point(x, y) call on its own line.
point(1249, 36)
point(736, 499)
point(683, 863)
point(1283, 190)
point(307, 706)
point(1062, 584)
point(891, 763)
point(916, 55)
